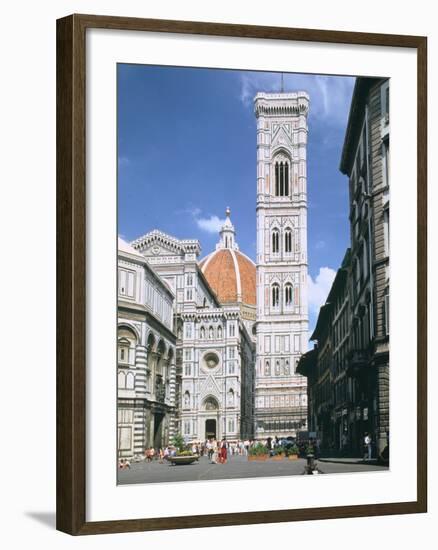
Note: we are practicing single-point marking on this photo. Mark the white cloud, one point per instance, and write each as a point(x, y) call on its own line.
point(124, 161)
point(330, 96)
point(319, 245)
point(211, 224)
point(319, 288)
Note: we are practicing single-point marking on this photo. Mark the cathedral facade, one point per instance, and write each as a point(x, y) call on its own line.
point(214, 307)
point(214, 342)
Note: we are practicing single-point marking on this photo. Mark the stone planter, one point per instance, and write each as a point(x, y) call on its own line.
point(257, 457)
point(182, 459)
point(277, 457)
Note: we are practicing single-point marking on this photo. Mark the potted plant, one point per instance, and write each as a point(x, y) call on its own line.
point(183, 455)
point(278, 453)
point(258, 452)
point(293, 452)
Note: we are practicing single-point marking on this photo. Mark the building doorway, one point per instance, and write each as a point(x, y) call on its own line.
point(158, 430)
point(210, 428)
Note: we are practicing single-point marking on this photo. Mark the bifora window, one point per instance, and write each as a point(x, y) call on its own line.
point(288, 241)
point(275, 241)
point(288, 295)
point(281, 179)
point(275, 295)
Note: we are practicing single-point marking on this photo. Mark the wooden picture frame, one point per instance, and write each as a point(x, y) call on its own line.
point(71, 273)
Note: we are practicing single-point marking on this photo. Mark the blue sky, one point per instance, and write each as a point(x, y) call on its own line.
point(187, 150)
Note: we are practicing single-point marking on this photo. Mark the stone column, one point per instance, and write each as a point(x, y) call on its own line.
point(172, 400)
point(140, 393)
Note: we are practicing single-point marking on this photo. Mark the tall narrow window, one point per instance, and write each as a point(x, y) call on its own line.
point(267, 368)
point(288, 241)
point(281, 179)
point(286, 180)
point(386, 230)
point(275, 295)
point(288, 296)
point(275, 241)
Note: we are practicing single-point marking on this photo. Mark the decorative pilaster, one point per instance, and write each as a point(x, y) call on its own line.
point(172, 399)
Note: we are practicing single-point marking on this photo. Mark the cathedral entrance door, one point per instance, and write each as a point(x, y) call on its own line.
point(210, 428)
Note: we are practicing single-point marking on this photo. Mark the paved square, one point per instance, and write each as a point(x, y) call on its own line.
point(237, 467)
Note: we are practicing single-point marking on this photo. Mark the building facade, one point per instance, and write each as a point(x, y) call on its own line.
point(365, 160)
point(358, 400)
point(282, 315)
point(214, 344)
point(146, 356)
point(331, 409)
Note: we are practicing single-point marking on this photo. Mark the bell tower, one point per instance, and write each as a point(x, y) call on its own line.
point(282, 313)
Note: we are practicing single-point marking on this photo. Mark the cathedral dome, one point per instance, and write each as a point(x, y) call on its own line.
point(231, 274)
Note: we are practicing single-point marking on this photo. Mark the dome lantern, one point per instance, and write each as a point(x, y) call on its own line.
point(227, 234)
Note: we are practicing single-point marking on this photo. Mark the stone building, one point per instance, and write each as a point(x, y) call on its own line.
point(214, 313)
point(365, 160)
point(282, 316)
point(359, 358)
point(146, 355)
point(331, 410)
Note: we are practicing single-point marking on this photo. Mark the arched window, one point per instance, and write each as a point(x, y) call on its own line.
point(277, 368)
point(202, 333)
point(210, 333)
point(275, 241)
point(130, 381)
point(267, 368)
point(219, 332)
point(288, 294)
point(288, 241)
point(230, 398)
point(121, 380)
point(286, 367)
point(275, 291)
point(186, 399)
point(282, 179)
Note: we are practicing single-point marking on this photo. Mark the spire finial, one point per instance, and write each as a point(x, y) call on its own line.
point(228, 212)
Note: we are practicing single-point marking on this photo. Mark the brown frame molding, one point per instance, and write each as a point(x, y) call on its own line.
point(71, 265)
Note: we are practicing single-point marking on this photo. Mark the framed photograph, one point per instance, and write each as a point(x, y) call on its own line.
point(241, 274)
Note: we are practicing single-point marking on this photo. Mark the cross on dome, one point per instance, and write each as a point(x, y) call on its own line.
point(227, 233)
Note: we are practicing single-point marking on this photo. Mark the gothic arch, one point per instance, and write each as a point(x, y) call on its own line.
point(210, 403)
point(151, 342)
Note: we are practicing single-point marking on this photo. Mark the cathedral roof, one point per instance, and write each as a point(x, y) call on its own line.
point(123, 246)
point(231, 274)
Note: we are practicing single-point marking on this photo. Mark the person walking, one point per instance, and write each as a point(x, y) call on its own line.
point(223, 452)
point(367, 446)
point(214, 454)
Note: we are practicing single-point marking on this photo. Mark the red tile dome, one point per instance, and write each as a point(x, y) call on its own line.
point(231, 274)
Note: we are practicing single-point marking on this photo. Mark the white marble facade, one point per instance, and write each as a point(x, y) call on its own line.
point(146, 356)
point(282, 316)
point(215, 352)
